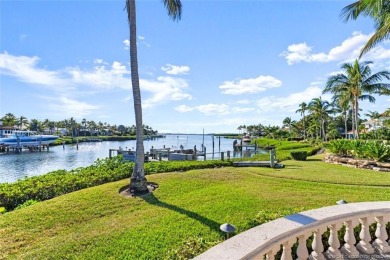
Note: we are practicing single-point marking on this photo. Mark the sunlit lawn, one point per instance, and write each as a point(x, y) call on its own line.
point(98, 223)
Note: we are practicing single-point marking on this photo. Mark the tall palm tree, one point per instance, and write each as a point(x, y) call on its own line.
point(379, 10)
point(302, 109)
point(138, 181)
point(373, 114)
point(84, 122)
point(357, 83)
point(287, 123)
point(341, 104)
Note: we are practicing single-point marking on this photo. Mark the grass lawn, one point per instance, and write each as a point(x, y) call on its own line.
point(97, 223)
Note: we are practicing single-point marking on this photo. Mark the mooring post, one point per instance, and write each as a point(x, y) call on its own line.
point(222, 156)
point(228, 155)
point(63, 145)
point(159, 156)
point(109, 153)
point(272, 158)
point(204, 152)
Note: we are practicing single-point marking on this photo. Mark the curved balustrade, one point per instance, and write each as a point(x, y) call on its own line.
point(264, 241)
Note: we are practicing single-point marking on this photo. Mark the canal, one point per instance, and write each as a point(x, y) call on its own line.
point(26, 164)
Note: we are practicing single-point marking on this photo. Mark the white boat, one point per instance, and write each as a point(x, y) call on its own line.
point(20, 139)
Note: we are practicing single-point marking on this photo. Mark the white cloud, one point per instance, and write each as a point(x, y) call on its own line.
point(242, 109)
point(127, 44)
point(175, 70)
point(22, 37)
point(243, 102)
point(208, 110)
point(141, 37)
point(163, 90)
point(348, 50)
point(101, 77)
point(25, 69)
point(71, 108)
point(249, 86)
point(289, 103)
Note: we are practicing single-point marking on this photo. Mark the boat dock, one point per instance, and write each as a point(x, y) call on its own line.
point(20, 148)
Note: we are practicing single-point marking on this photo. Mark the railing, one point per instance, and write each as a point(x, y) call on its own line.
point(265, 241)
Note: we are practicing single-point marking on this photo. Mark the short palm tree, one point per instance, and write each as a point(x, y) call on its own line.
point(379, 10)
point(357, 83)
point(138, 181)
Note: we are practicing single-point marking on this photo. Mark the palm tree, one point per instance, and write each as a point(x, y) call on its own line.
point(84, 122)
point(379, 10)
point(321, 110)
point(373, 114)
point(353, 85)
point(22, 121)
point(9, 119)
point(341, 104)
point(302, 109)
point(287, 123)
point(138, 181)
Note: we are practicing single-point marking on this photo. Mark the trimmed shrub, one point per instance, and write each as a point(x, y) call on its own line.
point(299, 155)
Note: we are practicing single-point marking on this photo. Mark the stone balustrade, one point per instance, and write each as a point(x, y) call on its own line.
point(265, 241)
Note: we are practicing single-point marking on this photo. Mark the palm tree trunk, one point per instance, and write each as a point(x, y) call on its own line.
point(304, 128)
point(357, 118)
point(345, 124)
point(137, 181)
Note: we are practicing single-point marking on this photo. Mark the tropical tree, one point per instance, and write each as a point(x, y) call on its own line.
point(36, 125)
point(138, 181)
point(379, 10)
point(287, 123)
point(22, 121)
point(9, 119)
point(302, 109)
point(357, 83)
point(321, 110)
point(373, 114)
point(84, 122)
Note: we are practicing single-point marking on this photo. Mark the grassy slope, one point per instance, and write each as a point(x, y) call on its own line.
point(98, 223)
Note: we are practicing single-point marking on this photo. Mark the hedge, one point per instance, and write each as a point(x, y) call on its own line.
point(60, 182)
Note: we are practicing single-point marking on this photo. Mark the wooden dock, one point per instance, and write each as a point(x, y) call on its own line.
point(256, 164)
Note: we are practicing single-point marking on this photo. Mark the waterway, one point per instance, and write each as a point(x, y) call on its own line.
point(14, 166)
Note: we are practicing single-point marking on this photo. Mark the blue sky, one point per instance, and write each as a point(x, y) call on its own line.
point(225, 64)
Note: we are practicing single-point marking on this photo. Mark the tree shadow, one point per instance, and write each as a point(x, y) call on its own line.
point(151, 199)
point(313, 160)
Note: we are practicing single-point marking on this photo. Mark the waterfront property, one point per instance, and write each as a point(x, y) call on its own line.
point(182, 217)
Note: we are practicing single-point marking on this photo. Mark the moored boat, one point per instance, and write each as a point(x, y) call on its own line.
point(20, 139)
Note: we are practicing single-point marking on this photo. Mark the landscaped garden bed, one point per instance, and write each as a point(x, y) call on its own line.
point(373, 155)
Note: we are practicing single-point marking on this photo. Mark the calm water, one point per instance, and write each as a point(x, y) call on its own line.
point(17, 166)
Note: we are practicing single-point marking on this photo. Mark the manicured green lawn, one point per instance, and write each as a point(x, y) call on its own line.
point(97, 222)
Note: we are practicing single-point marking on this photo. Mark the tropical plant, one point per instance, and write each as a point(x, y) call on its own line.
point(9, 119)
point(357, 83)
point(138, 181)
point(379, 10)
point(302, 109)
point(22, 121)
point(321, 110)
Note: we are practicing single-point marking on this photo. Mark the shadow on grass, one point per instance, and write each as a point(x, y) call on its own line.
point(151, 199)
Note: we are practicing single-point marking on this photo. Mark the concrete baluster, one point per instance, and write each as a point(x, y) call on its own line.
point(334, 243)
point(286, 254)
point(381, 235)
point(349, 247)
point(302, 252)
point(364, 245)
point(317, 246)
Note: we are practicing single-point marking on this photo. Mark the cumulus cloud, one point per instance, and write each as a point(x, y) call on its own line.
point(249, 86)
point(288, 103)
point(348, 50)
point(175, 70)
point(164, 89)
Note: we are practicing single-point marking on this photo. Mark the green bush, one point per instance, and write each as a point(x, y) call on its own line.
point(60, 182)
point(2, 210)
point(292, 146)
point(299, 155)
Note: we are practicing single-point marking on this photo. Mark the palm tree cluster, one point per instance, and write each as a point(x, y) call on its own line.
point(72, 127)
point(323, 120)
